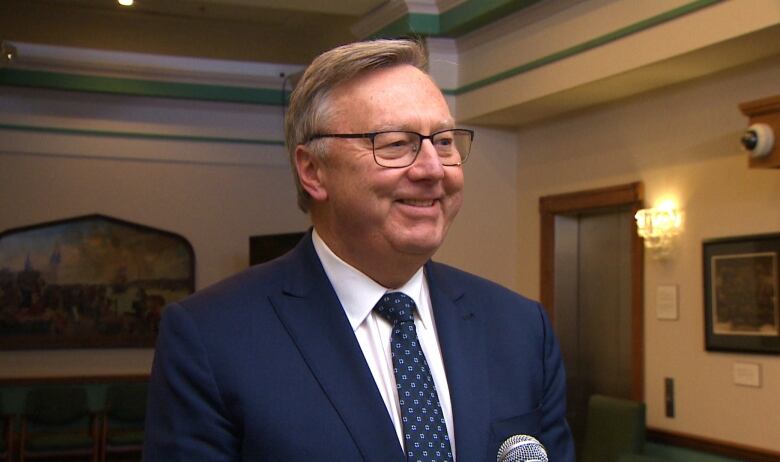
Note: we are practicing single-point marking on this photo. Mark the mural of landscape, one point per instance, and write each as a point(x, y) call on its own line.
point(89, 282)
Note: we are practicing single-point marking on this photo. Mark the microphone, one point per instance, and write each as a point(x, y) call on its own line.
point(522, 448)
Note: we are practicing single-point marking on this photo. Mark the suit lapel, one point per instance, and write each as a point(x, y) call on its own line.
point(462, 341)
point(310, 310)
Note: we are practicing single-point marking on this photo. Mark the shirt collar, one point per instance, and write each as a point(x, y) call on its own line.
point(359, 293)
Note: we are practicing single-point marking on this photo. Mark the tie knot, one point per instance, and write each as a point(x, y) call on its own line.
point(396, 307)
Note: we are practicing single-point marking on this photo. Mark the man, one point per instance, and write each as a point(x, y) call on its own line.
point(302, 358)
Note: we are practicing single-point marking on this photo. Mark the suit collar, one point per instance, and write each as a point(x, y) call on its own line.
point(461, 334)
point(315, 320)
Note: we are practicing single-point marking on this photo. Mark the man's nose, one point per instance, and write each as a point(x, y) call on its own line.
point(428, 161)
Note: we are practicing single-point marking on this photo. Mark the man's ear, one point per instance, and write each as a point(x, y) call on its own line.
point(309, 167)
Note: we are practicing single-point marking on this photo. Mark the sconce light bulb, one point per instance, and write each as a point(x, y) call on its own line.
point(126, 2)
point(658, 226)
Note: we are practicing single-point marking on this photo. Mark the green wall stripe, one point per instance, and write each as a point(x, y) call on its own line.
point(463, 18)
point(412, 24)
point(137, 87)
point(473, 14)
point(136, 135)
point(590, 44)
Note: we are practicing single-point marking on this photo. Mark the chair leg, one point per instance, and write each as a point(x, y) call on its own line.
point(22, 439)
point(97, 433)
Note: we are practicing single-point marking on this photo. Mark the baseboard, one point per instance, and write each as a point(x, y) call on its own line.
point(736, 451)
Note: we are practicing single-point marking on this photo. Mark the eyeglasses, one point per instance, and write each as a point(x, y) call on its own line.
point(397, 149)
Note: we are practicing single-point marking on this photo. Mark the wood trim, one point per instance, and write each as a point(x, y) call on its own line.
point(637, 306)
point(573, 202)
point(736, 451)
point(75, 379)
point(547, 262)
point(760, 106)
point(632, 195)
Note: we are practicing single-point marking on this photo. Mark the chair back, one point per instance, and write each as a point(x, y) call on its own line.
point(56, 406)
point(127, 402)
point(615, 426)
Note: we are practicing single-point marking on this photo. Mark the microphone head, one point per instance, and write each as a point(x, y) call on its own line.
point(522, 448)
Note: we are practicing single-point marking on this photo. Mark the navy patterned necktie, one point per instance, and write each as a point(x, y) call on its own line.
point(425, 430)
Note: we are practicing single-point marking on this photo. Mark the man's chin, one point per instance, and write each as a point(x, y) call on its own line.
point(423, 246)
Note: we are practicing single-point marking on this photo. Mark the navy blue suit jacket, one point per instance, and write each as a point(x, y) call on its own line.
point(264, 366)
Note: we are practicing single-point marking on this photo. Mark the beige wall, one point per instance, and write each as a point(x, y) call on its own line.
point(682, 143)
point(484, 237)
point(214, 194)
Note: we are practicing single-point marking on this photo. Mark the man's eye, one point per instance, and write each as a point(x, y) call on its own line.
point(398, 144)
point(444, 142)
point(393, 141)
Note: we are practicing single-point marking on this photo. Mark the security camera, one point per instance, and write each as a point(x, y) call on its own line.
point(758, 139)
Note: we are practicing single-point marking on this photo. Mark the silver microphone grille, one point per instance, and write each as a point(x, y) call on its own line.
point(522, 448)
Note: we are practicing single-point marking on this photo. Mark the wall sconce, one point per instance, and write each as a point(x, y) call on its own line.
point(658, 227)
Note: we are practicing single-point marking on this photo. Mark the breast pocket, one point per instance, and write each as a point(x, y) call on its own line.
point(529, 424)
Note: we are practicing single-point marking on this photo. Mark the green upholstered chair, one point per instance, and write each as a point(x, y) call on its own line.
point(614, 427)
point(57, 424)
point(123, 423)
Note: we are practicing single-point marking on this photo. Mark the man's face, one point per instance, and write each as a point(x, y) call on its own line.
point(376, 212)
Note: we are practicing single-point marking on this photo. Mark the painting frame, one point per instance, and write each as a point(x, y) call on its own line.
point(91, 281)
point(266, 247)
point(742, 294)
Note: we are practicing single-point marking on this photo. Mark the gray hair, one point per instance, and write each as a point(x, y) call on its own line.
point(309, 111)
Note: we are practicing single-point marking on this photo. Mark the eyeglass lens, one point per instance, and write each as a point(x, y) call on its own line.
point(399, 149)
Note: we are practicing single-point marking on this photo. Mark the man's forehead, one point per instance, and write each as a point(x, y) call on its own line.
point(385, 77)
point(384, 94)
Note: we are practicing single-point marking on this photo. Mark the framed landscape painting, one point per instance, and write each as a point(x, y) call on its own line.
point(89, 282)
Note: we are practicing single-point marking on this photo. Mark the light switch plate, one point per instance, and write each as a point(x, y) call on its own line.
point(666, 302)
point(747, 374)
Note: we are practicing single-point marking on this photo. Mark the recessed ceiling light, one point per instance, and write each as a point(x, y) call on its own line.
point(126, 2)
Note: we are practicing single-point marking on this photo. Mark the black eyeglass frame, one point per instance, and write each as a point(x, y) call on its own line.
point(373, 135)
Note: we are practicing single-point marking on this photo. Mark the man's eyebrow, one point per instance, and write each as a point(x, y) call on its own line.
point(444, 125)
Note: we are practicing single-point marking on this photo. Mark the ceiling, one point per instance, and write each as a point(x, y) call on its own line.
point(283, 31)
point(251, 10)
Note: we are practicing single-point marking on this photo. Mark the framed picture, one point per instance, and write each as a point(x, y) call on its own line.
point(741, 288)
point(89, 282)
point(269, 246)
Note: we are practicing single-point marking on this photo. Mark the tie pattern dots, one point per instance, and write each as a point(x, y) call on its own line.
point(425, 430)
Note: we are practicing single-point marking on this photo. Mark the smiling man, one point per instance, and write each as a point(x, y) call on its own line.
point(355, 346)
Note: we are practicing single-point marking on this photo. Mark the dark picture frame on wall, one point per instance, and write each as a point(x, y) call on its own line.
point(91, 281)
point(266, 247)
point(741, 289)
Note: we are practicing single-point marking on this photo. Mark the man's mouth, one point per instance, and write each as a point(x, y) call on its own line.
point(418, 202)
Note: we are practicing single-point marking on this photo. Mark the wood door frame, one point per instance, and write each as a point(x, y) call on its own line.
point(626, 195)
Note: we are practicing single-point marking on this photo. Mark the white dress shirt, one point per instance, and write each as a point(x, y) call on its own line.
point(358, 295)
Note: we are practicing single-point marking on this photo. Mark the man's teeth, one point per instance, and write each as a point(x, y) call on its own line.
point(418, 203)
